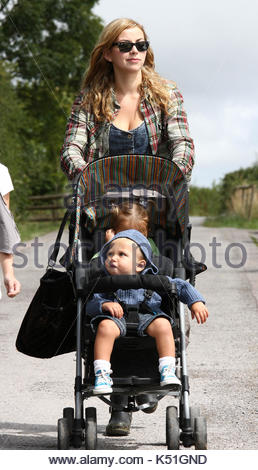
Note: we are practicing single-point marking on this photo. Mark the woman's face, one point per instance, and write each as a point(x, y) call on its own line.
point(131, 61)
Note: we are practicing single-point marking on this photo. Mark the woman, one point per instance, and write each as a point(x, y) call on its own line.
point(8, 235)
point(125, 107)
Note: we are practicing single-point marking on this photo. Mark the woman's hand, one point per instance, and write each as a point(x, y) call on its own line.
point(199, 311)
point(13, 287)
point(114, 308)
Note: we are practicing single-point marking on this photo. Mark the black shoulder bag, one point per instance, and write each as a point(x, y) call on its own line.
point(48, 327)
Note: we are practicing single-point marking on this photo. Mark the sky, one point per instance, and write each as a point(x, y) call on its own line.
point(210, 49)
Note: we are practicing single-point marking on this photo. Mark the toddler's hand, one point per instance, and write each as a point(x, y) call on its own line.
point(199, 311)
point(114, 308)
point(109, 234)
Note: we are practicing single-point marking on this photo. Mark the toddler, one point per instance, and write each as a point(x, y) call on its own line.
point(129, 252)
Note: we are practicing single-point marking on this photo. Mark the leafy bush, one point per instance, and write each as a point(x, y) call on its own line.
point(243, 176)
point(205, 201)
point(215, 201)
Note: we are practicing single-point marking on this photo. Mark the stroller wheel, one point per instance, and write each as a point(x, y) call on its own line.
point(194, 413)
point(200, 433)
point(69, 414)
point(63, 435)
point(90, 428)
point(172, 428)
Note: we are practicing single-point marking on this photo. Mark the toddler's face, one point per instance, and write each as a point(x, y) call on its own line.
point(124, 257)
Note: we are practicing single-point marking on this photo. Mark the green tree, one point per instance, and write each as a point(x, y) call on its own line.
point(48, 44)
point(25, 158)
point(11, 117)
point(13, 148)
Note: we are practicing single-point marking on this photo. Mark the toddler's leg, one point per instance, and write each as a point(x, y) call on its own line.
point(161, 330)
point(107, 332)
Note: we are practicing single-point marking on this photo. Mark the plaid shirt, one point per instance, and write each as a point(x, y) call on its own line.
point(87, 140)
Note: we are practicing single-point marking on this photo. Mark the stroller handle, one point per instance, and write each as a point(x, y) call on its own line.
point(157, 283)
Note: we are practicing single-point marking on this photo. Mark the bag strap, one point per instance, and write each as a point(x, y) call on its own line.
point(53, 256)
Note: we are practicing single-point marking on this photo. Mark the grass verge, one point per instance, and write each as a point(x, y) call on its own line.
point(30, 230)
point(255, 240)
point(231, 221)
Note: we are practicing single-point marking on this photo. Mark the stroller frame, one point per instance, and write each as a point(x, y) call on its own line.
point(183, 425)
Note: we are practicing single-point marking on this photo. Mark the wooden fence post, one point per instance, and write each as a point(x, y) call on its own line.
point(51, 212)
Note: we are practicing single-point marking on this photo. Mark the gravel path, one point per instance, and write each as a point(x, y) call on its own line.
point(222, 357)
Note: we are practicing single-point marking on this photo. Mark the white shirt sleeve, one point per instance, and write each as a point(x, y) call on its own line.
point(6, 184)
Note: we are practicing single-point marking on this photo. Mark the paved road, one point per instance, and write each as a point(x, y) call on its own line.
point(222, 357)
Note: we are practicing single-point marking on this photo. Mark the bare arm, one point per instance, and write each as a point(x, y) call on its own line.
point(6, 198)
point(12, 286)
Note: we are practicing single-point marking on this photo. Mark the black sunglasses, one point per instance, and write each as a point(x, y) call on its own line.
point(126, 46)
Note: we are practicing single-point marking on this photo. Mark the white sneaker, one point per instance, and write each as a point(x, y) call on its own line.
point(103, 382)
point(168, 376)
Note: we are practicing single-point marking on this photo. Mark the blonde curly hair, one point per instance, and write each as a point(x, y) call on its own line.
point(130, 215)
point(98, 81)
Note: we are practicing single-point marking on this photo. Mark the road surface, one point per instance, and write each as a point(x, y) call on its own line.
point(222, 356)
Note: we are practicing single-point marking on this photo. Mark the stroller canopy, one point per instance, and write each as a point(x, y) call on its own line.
point(146, 177)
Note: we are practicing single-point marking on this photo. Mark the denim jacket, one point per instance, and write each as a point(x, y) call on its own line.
point(87, 140)
point(185, 291)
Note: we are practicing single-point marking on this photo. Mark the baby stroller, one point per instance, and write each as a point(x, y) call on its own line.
point(158, 183)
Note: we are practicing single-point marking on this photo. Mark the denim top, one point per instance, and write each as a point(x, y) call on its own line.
point(135, 141)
